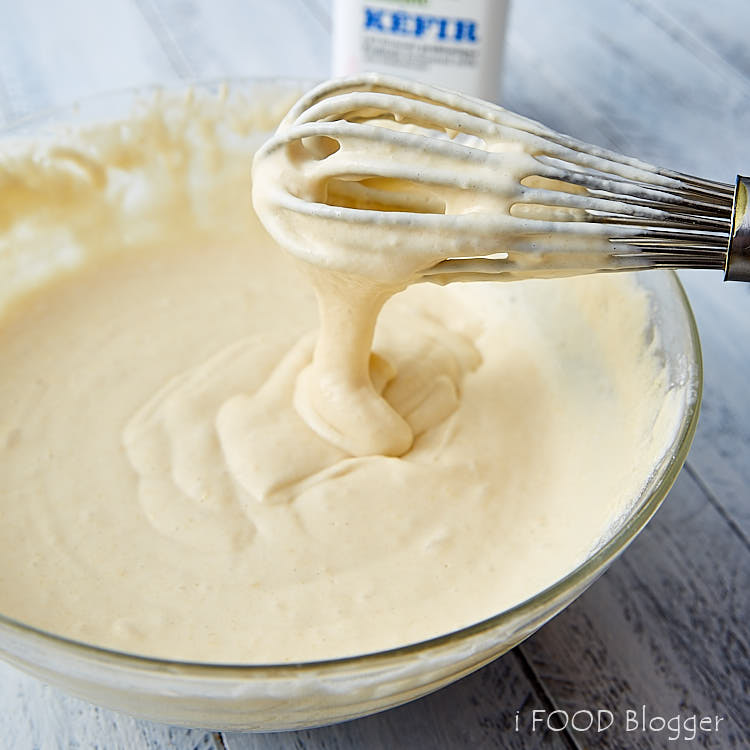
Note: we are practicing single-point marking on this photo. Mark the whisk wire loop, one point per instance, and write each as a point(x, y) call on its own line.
point(381, 150)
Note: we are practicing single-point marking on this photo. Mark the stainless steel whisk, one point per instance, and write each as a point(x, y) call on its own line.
point(358, 147)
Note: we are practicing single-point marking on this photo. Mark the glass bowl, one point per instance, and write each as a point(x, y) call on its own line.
point(265, 697)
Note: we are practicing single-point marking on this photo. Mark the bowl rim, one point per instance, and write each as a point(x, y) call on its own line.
point(653, 493)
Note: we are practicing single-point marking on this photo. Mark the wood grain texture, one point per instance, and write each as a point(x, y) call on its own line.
point(668, 81)
point(34, 716)
point(675, 108)
point(237, 38)
point(714, 32)
point(53, 53)
point(476, 712)
point(622, 80)
point(667, 627)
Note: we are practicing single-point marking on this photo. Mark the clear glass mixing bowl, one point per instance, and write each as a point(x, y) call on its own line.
point(266, 697)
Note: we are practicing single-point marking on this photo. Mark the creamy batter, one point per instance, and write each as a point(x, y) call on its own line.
point(166, 489)
point(375, 183)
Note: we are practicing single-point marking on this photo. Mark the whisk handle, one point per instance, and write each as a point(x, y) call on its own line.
point(738, 253)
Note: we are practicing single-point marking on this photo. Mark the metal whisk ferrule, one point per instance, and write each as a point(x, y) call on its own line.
point(738, 252)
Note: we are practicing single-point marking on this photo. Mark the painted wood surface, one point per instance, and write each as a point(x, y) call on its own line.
point(667, 626)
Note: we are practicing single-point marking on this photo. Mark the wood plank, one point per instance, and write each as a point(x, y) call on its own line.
point(603, 82)
point(722, 442)
point(617, 72)
point(715, 32)
point(37, 716)
point(668, 626)
point(477, 712)
point(321, 9)
point(241, 38)
point(54, 53)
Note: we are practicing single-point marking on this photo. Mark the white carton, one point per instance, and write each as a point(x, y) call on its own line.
point(456, 44)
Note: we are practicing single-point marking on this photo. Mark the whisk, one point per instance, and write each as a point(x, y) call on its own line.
point(408, 181)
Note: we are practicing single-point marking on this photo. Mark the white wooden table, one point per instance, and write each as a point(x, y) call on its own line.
point(667, 627)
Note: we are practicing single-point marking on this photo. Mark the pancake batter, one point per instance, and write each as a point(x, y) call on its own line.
point(162, 493)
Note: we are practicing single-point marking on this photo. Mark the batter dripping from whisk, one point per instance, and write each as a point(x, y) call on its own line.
point(366, 204)
point(155, 470)
point(375, 183)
